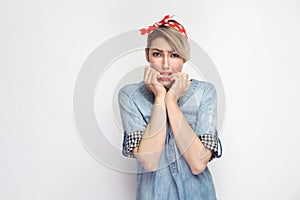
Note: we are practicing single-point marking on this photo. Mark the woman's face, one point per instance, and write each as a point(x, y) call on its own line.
point(164, 59)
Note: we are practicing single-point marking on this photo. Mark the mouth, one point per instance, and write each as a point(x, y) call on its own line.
point(165, 79)
point(165, 76)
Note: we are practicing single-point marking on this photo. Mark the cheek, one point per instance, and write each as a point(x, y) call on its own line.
point(177, 66)
point(155, 62)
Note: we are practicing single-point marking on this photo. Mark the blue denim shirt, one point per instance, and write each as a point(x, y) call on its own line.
point(174, 179)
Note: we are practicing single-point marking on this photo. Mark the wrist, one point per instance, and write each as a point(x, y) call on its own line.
point(171, 97)
point(159, 100)
point(171, 102)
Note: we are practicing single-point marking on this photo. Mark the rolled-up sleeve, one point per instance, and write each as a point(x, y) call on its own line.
point(206, 126)
point(133, 123)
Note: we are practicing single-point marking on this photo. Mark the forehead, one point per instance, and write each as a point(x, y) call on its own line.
point(161, 44)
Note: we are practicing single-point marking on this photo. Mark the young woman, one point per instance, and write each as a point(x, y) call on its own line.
point(170, 121)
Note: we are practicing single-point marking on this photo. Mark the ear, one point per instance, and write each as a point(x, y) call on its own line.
point(147, 54)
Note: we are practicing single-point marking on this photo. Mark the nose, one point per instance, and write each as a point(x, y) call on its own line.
point(166, 61)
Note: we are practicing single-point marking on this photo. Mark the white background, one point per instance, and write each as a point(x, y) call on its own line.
point(254, 44)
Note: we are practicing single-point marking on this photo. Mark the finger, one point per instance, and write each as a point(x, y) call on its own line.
point(157, 76)
point(154, 71)
point(150, 77)
point(154, 74)
point(174, 77)
point(146, 74)
point(183, 82)
point(185, 75)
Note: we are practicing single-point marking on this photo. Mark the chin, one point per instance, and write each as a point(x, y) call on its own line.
point(166, 84)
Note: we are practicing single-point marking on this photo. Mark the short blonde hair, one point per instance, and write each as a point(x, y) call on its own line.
point(175, 38)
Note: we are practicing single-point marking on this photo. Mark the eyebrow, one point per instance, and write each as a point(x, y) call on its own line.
point(156, 49)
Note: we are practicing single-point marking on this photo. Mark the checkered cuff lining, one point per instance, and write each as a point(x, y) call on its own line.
point(211, 143)
point(132, 140)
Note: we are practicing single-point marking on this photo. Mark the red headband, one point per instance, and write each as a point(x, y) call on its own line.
point(164, 22)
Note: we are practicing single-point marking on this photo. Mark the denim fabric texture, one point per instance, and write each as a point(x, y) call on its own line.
point(174, 179)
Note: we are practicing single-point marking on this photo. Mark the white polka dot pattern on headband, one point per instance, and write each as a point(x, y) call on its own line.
point(164, 22)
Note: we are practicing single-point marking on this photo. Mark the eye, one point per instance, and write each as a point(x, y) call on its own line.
point(174, 55)
point(156, 54)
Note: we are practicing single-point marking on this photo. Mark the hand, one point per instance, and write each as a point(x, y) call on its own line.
point(179, 87)
point(151, 81)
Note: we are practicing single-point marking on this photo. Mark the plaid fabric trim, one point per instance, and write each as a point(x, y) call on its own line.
point(132, 140)
point(211, 143)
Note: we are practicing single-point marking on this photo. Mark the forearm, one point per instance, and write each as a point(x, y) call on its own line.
point(154, 137)
point(189, 144)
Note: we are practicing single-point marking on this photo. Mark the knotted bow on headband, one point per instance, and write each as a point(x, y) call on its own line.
point(164, 22)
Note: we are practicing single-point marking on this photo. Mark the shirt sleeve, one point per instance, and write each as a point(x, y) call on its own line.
point(206, 126)
point(133, 123)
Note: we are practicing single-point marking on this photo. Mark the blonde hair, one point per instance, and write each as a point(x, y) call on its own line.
point(176, 40)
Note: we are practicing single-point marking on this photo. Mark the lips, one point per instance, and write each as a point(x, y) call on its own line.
point(166, 73)
point(165, 76)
